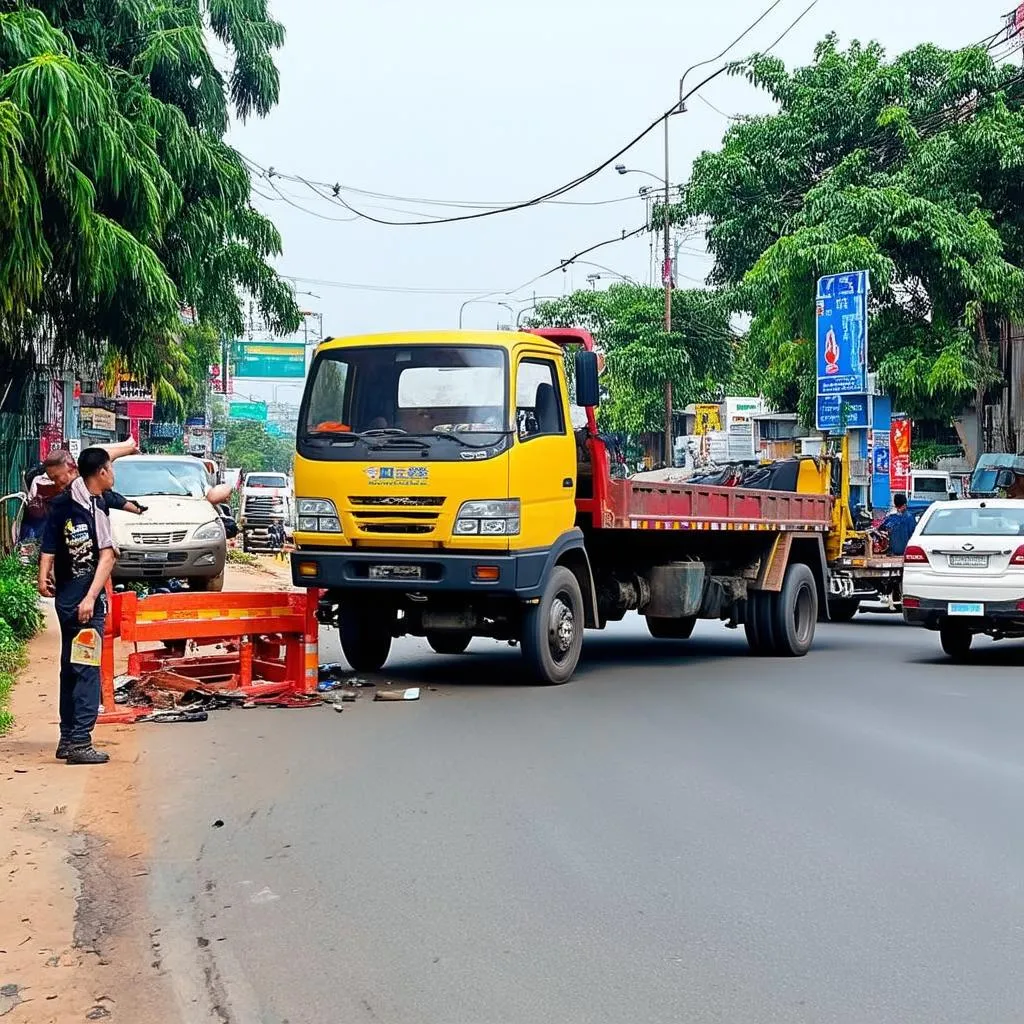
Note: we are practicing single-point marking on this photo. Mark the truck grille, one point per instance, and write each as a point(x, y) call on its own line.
point(264, 506)
point(159, 539)
point(396, 501)
point(400, 528)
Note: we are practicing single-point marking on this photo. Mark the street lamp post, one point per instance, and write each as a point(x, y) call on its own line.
point(666, 278)
point(533, 305)
point(490, 302)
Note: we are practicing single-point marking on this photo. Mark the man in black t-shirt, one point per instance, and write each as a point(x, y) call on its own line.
point(78, 552)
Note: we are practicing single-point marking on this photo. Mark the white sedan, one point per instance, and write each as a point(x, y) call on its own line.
point(963, 572)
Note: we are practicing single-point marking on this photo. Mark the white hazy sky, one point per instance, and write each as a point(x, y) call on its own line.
point(487, 101)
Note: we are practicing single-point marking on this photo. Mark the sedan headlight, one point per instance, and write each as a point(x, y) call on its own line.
point(210, 531)
point(498, 518)
point(318, 515)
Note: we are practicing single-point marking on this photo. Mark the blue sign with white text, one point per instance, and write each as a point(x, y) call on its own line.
point(841, 412)
point(842, 334)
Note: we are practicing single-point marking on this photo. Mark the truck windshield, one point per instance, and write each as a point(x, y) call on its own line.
point(928, 486)
point(266, 480)
point(423, 400)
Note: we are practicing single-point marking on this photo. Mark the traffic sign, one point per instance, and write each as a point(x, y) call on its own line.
point(248, 411)
point(269, 359)
point(842, 334)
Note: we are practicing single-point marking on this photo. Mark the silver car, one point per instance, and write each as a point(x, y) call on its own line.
point(181, 535)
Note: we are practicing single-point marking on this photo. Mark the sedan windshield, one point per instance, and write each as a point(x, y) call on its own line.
point(153, 476)
point(975, 522)
point(428, 392)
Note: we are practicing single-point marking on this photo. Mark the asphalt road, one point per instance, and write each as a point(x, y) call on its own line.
point(684, 833)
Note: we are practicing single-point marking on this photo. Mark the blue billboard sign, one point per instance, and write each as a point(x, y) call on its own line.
point(842, 334)
point(841, 412)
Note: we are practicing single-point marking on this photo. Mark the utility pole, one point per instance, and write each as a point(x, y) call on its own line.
point(666, 274)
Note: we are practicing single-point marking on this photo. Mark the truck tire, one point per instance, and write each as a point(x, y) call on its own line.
point(671, 629)
point(844, 609)
point(365, 638)
point(553, 630)
point(795, 613)
point(757, 623)
point(449, 642)
point(956, 640)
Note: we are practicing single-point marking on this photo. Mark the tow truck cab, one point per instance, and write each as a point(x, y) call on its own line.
point(436, 478)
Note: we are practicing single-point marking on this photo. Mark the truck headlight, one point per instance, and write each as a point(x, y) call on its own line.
point(488, 518)
point(210, 531)
point(316, 507)
point(318, 515)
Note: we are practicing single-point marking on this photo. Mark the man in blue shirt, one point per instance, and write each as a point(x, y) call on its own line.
point(77, 558)
point(900, 525)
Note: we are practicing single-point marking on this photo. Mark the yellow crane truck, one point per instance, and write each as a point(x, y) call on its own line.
point(447, 486)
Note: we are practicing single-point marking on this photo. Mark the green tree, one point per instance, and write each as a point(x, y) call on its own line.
point(252, 448)
point(627, 322)
point(120, 201)
point(910, 168)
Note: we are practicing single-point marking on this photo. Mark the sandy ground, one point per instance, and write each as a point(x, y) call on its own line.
point(76, 942)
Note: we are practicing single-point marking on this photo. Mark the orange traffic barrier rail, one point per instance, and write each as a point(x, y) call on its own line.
point(269, 643)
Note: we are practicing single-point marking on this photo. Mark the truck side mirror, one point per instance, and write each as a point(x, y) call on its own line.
point(1004, 478)
point(588, 390)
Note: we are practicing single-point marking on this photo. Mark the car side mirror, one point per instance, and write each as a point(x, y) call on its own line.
point(1004, 478)
point(588, 389)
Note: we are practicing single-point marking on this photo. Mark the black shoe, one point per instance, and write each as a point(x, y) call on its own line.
point(63, 749)
point(87, 754)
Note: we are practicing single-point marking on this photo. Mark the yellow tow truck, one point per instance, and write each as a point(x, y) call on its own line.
point(448, 487)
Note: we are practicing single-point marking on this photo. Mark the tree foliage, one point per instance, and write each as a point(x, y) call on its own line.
point(627, 322)
point(252, 448)
point(912, 168)
point(120, 201)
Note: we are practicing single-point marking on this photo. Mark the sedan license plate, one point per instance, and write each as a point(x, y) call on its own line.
point(965, 608)
point(969, 561)
point(396, 572)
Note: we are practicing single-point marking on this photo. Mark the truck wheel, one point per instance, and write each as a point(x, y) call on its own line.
point(956, 640)
point(671, 629)
point(843, 610)
point(757, 623)
point(795, 612)
point(365, 637)
point(449, 642)
point(553, 629)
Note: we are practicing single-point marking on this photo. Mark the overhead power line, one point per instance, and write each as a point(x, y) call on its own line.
point(335, 195)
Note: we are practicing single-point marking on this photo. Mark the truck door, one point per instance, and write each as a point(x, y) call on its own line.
point(542, 467)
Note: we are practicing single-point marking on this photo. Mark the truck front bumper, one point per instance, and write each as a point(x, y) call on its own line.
point(518, 575)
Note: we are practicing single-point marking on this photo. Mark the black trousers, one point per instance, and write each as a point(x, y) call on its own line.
point(79, 684)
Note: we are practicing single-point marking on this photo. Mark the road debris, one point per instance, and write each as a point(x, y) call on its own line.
point(10, 997)
point(175, 715)
point(412, 693)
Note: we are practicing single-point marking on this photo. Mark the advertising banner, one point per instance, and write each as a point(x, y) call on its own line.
point(899, 453)
point(842, 334)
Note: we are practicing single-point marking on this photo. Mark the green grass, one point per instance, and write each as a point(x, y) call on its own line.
point(20, 620)
point(6, 686)
point(239, 557)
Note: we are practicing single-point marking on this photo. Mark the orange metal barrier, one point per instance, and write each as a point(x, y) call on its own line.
point(271, 642)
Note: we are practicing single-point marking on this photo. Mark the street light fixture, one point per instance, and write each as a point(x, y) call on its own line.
point(489, 302)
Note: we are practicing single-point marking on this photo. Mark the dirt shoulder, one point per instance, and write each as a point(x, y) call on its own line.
point(74, 942)
point(77, 941)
